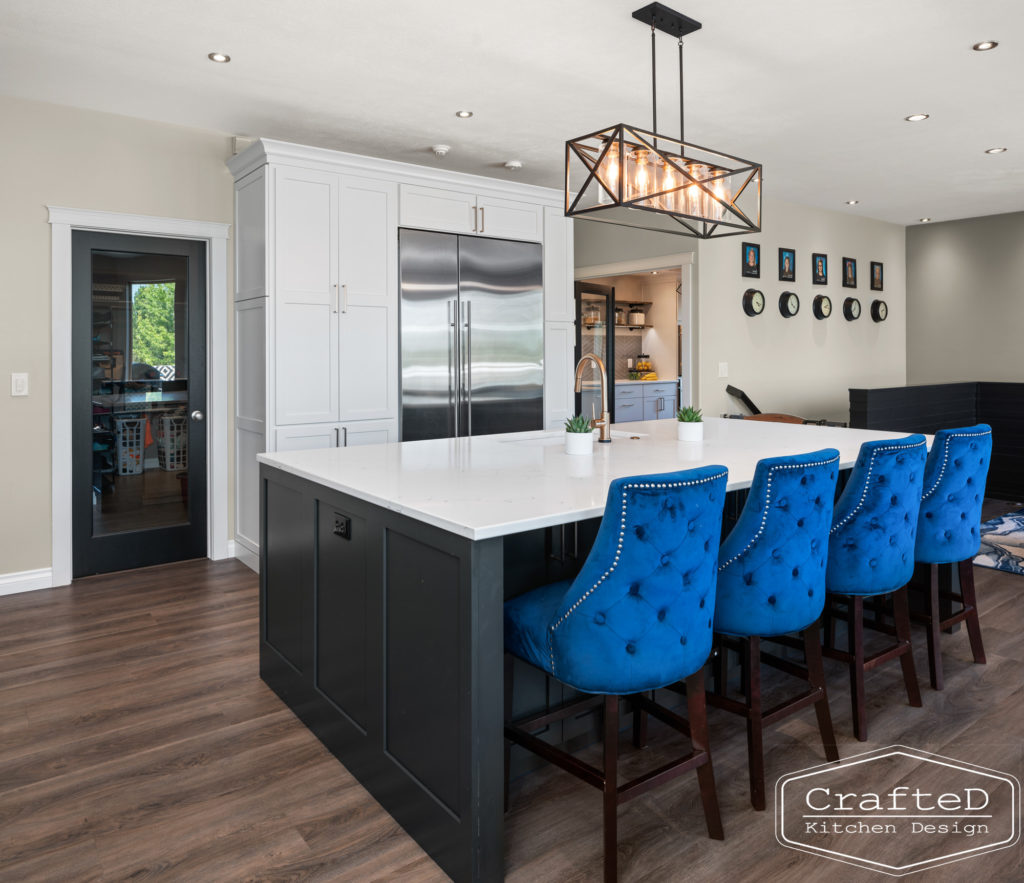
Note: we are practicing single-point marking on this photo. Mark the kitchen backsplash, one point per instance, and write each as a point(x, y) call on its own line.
point(628, 345)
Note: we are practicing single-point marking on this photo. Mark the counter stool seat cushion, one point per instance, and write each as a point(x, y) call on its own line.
point(948, 529)
point(871, 546)
point(639, 615)
point(771, 574)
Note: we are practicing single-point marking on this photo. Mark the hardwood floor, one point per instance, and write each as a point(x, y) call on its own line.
point(137, 742)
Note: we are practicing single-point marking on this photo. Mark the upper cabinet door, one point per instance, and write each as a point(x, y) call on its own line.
point(306, 295)
point(559, 302)
point(430, 208)
point(368, 318)
point(507, 219)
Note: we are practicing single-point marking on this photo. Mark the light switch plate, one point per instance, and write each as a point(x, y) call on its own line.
point(19, 384)
point(723, 369)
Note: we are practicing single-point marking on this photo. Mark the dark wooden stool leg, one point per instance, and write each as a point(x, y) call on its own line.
point(966, 569)
point(509, 669)
point(934, 629)
point(699, 737)
point(855, 645)
point(755, 723)
point(611, 794)
point(901, 615)
point(816, 675)
point(640, 725)
point(720, 667)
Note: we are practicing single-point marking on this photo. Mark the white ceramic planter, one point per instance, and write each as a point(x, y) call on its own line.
point(579, 443)
point(689, 432)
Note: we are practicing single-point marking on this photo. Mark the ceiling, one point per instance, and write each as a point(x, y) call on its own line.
point(816, 90)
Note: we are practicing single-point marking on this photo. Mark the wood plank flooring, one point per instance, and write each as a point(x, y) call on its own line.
point(137, 742)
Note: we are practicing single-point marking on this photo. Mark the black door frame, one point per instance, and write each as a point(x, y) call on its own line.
point(130, 549)
point(608, 293)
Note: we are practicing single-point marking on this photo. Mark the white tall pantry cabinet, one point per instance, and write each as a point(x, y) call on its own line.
point(316, 295)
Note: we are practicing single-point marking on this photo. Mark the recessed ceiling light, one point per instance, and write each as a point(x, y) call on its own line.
point(853, 202)
point(996, 150)
point(219, 57)
point(514, 165)
point(925, 220)
point(916, 117)
point(984, 45)
point(463, 114)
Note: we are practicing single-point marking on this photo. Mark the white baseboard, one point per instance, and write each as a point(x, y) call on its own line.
point(26, 581)
point(249, 557)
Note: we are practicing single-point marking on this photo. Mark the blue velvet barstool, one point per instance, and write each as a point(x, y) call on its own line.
point(871, 552)
point(637, 617)
point(771, 583)
point(949, 532)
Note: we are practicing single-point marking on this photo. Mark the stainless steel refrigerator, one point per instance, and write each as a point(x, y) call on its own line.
point(472, 335)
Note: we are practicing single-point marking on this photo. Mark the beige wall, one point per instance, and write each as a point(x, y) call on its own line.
point(596, 243)
point(965, 300)
point(81, 159)
point(802, 365)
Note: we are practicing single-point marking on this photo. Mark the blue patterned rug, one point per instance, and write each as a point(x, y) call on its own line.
point(1002, 543)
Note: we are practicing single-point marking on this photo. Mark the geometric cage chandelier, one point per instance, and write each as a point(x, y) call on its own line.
point(633, 177)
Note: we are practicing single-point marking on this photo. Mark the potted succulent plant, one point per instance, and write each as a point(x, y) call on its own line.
point(690, 426)
point(579, 435)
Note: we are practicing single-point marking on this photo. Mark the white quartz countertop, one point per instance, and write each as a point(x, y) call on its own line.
point(495, 485)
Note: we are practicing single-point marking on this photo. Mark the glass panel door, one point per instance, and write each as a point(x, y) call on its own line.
point(139, 436)
point(595, 335)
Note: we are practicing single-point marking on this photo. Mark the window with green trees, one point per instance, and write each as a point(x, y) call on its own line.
point(153, 323)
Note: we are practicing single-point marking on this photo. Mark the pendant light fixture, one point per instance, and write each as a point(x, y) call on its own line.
point(636, 177)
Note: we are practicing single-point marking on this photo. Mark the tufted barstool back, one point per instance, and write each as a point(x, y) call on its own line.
point(948, 528)
point(639, 614)
point(771, 581)
point(771, 573)
point(874, 526)
point(949, 533)
point(871, 552)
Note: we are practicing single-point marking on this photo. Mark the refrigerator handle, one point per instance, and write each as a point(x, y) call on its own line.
point(469, 367)
point(453, 410)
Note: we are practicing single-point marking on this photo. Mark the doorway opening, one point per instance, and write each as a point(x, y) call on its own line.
point(639, 316)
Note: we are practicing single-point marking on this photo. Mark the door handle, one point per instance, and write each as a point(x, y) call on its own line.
point(198, 416)
point(337, 437)
point(334, 297)
point(481, 219)
point(344, 298)
point(469, 366)
point(474, 219)
point(453, 372)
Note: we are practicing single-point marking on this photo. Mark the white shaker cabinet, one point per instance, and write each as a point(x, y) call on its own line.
point(368, 299)
point(462, 211)
point(316, 294)
point(336, 435)
point(304, 238)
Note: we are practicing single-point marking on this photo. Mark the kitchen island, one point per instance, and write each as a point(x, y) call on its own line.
point(383, 573)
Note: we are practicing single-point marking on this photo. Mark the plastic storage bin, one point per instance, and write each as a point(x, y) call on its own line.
point(172, 442)
point(130, 444)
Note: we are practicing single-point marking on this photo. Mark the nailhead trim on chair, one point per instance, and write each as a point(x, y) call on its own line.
point(945, 457)
point(615, 560)
point(767, 501)
point(867, 480)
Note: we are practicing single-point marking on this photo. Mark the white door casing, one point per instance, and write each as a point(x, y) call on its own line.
point(215, 235)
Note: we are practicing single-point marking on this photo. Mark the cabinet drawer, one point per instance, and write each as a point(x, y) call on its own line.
point(662, 390)
point(624, 392)
point(629, 410)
